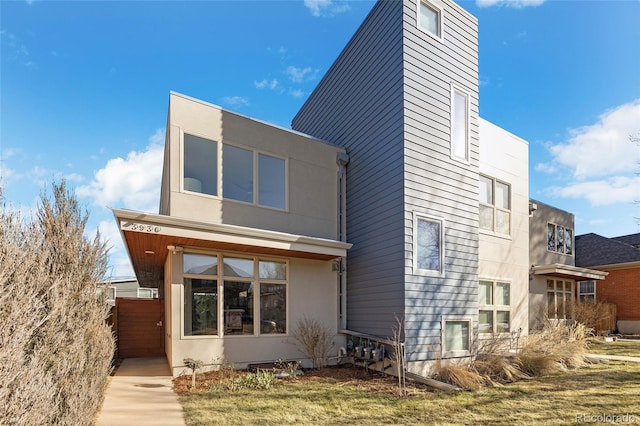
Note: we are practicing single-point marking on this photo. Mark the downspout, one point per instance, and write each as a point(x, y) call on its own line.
point(342, 159)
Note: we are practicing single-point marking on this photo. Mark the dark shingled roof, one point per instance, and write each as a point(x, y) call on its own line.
point(632, 239)
point(596, 250)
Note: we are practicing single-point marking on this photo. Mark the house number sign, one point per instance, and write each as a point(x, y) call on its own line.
point(141, 227)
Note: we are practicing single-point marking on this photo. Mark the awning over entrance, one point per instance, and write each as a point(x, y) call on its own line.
point(149, 237)
point(568, 272)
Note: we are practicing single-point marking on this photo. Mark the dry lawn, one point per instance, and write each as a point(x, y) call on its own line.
point(620, 347)
point(351, 396)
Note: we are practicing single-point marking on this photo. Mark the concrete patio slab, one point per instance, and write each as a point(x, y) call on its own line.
point(140, 393)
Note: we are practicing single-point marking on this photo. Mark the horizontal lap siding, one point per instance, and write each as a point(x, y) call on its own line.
point(435, 184)
point(359, 105)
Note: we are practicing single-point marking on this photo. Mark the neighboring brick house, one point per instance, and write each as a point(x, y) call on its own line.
point(620, 257)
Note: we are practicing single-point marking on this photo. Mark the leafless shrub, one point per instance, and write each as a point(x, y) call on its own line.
point(398, 355)
point(593, 315)
point(55, 347)
point(315, 340)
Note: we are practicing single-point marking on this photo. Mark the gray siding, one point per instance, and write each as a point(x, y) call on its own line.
point(538, 252)
point(359, 105)
point(435, 184)
point(387, 100)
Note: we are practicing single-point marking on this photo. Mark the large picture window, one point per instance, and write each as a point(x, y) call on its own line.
point(428, 245)
point(237, 173)
point(559, 239)
point(271, 181)
point(242, 296)
point(459, 124)
point(495, 205)
point(494, 302)
point(200, 165)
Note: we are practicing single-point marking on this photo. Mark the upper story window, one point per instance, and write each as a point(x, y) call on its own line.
point(246, 175)
point(428, 245)
point(495, 205)
point(430, 18)
point(459, 124)
point(559, 239)
point(200, 165)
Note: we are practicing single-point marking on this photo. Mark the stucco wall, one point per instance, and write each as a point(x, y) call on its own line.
point(312, 292)
point(505, 157)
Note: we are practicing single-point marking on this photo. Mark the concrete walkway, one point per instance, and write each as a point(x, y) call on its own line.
point(140, 393)
point(615, 357)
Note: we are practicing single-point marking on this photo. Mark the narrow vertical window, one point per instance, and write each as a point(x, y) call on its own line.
point(428, 250)
point(237, 173)
point(200, 165)
point(271, 181)
point(459, 125)
point(429, 19)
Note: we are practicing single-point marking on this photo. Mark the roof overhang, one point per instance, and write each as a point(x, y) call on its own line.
point(148, 238)
point(568, 272)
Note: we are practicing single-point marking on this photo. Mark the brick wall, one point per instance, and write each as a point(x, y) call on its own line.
point(622, 287)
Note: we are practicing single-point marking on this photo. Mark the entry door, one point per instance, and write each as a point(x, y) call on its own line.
point(140, 327)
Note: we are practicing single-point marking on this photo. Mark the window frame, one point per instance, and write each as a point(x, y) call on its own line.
point(154, 293)
point(218, 171)
point(592, 293)
point(495, 207)
point(440, 14)
point(565, 231)
point(452, 110)
point(446, 353)
point(429, 272)
point(494, 307)
point(568, 313)
point(221, 278)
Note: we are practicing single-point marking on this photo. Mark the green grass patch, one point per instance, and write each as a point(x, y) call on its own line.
point(602, 389)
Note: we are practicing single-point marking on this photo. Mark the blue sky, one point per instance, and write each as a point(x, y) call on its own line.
point(84, 90)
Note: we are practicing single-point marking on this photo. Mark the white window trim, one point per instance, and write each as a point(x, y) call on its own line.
point(154, 294)
point(428, 272)
point(455, 88)
point(440, 11)
point(455, 354)
point(220, 277)
point(555, 292)
point(594, 294)
point(494, 307)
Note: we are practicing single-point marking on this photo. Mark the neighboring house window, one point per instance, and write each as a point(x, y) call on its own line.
point(428, 245)
point(147, 293)
point(456, 337)
point(200, 166)
point(430, 18)
point(587, 291)
point(109, 292)
point(253, 293)
point(494, 300)
point(459, 124)
point(495, 205)
point(559, 299)
point(559, 239)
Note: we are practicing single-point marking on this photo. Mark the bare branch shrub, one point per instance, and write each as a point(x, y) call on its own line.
point(315, 340)
point(592, 315)
point(398, 355)
point(55, 346)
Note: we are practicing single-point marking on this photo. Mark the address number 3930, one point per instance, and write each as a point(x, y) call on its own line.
point(141, 227)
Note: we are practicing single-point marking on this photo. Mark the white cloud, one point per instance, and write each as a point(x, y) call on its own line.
point(296, 93)
point(271, 84)
point(603, 148)
point(132, 182)
point(517, 4)
point(298, 75)
point(119, 263)
point(325, 7)
point(618, 189)
point(235, 100)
